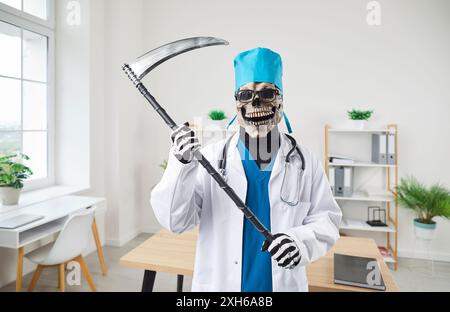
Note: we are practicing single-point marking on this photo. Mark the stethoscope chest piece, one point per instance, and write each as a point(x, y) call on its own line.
point(223, 173)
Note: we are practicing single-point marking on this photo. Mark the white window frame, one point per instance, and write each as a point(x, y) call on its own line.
point(45, 28)
point(49, 22)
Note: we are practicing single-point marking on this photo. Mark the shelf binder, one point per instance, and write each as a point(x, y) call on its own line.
point(379, 148)
point(348, 182)
point(331, 178)
point(391, 149)
point(343, 182)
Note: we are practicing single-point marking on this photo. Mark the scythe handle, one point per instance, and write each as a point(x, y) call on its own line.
point(209, 168)
point(167, 119)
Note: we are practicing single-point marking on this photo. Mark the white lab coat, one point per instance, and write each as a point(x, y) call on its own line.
point(187, 196)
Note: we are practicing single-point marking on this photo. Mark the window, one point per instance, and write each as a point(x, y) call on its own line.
point(26, 89)
point(37, 8)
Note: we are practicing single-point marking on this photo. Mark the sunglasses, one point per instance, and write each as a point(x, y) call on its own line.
point(265, 95)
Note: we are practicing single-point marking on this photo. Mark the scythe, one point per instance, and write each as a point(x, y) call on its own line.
point(139, 68)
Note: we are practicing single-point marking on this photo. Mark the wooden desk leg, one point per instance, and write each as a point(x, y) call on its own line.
point(20, 255)
point(101, 257)
point(180, 283)
point(61, 277)
point(149, 281)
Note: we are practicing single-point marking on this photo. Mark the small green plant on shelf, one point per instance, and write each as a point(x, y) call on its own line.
point(355, 114)
point(427, 202)
point(163, 165)
point(217, 115)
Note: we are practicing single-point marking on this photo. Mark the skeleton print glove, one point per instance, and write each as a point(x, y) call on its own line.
point(284, 250)
point(185, 144)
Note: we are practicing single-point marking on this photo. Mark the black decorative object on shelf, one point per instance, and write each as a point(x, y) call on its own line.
point(373, 220)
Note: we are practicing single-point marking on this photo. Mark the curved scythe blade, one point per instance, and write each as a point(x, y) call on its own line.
point(147, 62)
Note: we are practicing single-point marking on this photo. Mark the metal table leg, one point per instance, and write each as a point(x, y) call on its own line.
point(180, 283)
point(149, 281)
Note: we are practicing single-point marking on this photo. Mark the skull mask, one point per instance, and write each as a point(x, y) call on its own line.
point(258, 117)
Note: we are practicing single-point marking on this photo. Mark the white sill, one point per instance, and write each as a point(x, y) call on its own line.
point(41, 195)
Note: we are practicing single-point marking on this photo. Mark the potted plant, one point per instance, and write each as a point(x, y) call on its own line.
point(359, 118)
point(12, 174)
point(218, 117)
point(164, 165)
point(427, 202)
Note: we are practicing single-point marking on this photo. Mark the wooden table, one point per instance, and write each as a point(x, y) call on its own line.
point(166, 252)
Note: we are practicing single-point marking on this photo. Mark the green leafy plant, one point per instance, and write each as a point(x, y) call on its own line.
point(217, 115)
point(359, 114)
point(13, 172)
point(164, 165)
point(427, 202)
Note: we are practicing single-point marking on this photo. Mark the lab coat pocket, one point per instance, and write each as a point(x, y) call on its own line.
point(289, 217)
point(220, 204)
point(301, 211)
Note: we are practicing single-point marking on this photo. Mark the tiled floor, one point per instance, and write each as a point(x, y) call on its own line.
point(417, 276)
point(412, 275)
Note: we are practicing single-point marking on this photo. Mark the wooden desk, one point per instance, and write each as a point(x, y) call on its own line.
point(55, 212)
point(166, 252)
point(321, 273)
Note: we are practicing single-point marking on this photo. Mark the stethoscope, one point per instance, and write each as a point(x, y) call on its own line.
point(283, 196)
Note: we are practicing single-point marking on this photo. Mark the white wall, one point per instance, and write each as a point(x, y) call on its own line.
point(113, 116)
point(72, 97)
point(333, 62)
point(100, 102)
point(127, 138)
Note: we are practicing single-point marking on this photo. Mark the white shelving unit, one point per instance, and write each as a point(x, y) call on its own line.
point(361, 164)
point(364, 197)
point(331, 130)
point(358, 225)
point(386, 197)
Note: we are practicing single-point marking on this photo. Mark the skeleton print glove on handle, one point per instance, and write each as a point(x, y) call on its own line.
point(185, 144)
point(284, 251)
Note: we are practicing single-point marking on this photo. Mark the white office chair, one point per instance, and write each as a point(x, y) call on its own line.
point(69, 246)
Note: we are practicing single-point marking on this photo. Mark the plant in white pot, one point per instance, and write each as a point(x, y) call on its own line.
point(12, 174)
point(359, 118)
point(164, 165)
point(218, 117)
point(427, 202)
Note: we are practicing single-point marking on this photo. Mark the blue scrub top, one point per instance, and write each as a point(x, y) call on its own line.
point(256, 265)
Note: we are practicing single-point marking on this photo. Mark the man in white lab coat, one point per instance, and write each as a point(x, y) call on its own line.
point(283, 184)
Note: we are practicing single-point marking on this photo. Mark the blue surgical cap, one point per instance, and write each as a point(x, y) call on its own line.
point(259, 65)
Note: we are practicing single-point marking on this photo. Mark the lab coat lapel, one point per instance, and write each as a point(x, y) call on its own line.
point(280, 161)
point(276, 180)
point(236, 178)
point(238, 181)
